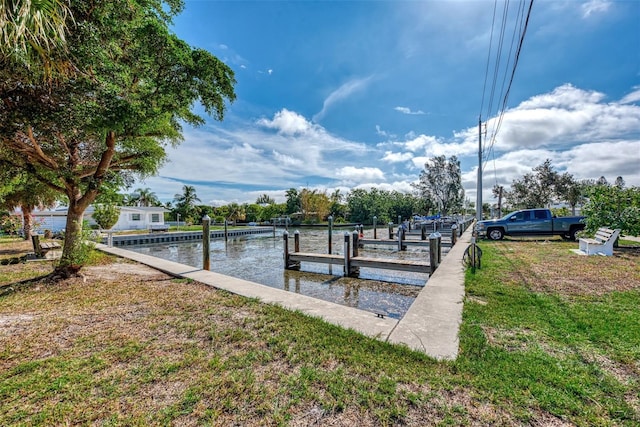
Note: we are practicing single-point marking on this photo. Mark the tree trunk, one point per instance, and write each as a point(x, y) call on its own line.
point(27, 221)
point(71, 260)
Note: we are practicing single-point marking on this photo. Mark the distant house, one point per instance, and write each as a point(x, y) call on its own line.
point(131, 218)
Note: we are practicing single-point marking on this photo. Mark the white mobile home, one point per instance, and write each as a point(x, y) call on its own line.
point(131, 218)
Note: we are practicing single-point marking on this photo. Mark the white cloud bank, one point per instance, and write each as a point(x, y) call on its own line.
point(579, 130)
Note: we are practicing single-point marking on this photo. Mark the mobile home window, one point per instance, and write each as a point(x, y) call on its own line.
point(135, 217)
point(155, 217)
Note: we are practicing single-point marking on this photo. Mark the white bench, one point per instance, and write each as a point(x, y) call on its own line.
point(158, 227)
point(601, 244)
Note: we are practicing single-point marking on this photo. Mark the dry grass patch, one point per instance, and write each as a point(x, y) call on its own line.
point(550, 266)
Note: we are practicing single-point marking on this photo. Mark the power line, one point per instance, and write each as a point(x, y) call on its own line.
point(484, 151)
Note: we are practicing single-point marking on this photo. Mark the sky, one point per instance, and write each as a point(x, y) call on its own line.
point(360, 94)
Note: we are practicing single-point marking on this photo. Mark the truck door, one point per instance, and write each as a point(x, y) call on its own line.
point(541, 222)
point(519, 223)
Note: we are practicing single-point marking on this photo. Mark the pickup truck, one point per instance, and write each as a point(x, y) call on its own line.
point(531, 222)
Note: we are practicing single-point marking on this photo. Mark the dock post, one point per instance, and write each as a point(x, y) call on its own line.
point(454, 234)
point(355, 243)
point(226, 235)
point(375, 228)
point(354, 271)
point(296, 241)
point(400, 238)
point(423, 231)
point(433, 252)
point(330, 233)
point(285, 245)
point(347, 250)
point(439, 247)
point(206, 241)
point(390, 230)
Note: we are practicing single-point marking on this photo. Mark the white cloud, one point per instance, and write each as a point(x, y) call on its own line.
point(381, 132)
point(562, 118)
point(343, 92)
point(406, 110)
point(595, 6)
point(632, 97)
point(351, 174)
point(396, 157)
point(287, 122)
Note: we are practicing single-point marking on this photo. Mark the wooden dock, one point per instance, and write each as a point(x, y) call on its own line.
point(358, 262)
point(394, 242)
point(352, 262)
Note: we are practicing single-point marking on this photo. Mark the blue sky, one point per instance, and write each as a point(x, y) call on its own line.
point(359, 94)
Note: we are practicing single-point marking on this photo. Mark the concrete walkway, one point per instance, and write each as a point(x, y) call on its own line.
point(430, 325)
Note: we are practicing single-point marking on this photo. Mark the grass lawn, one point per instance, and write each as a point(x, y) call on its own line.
point(548, 338)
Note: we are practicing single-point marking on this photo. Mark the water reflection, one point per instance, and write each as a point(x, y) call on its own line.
point(259, 259)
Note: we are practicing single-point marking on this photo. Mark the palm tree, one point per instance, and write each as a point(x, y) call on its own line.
point(186, 202)
point(236, 212)
point(145, 197)
point(29, 30)
point(265, 199)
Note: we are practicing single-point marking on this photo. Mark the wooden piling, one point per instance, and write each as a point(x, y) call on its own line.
point(433, 252)
point(206, 241)
point(347, 255)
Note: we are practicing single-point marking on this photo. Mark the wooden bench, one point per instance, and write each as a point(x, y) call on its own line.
point(158, 227)
point(41, 248)
point(601, 244)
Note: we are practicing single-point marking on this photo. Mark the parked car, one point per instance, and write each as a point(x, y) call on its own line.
point(531, 222)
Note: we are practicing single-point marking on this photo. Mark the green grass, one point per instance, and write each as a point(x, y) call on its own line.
point(173, 352)
point(574, 357)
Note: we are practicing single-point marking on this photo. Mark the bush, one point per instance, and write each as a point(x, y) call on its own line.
point(106, 215)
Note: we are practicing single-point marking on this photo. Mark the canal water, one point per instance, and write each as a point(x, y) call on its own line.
point(260, 258)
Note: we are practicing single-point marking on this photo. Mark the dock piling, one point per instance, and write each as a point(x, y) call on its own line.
point(206, 241)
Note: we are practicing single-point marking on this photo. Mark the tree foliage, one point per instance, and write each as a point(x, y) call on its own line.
point(186, 204)
point(293, 201)
point(265, 199)
point(144, 197)
point(441, 183)
point(106, 215)
point(613, 206)
point(386, 206)
point(134, 86)
point(314, 205)
point(30, 30)
point(21, 190)
point(543, 186)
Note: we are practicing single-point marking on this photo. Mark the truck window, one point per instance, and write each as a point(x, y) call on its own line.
point(520, 216)
point(540, 214)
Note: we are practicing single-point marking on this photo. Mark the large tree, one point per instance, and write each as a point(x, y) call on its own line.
point(134, 86)
point(441, 182)
point(540, 188)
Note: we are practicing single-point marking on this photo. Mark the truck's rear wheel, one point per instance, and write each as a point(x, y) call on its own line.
point(495, 233)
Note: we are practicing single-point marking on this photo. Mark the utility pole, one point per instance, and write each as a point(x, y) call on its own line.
point(479, 186)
